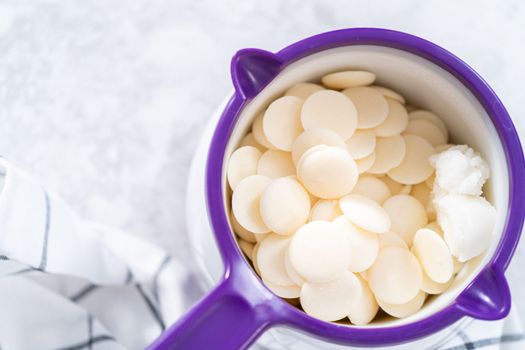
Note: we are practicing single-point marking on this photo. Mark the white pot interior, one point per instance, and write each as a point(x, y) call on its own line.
point(425, 85)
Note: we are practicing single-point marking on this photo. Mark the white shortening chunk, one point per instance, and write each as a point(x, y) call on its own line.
point(467, 223)
point(460, 170)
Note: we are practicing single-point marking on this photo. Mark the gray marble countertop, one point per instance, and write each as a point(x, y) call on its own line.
point(105, 100)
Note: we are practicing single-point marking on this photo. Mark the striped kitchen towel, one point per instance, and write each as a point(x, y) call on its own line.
point(67, 283)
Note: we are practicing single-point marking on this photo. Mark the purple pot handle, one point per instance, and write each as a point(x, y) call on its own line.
point(239, 309)
point(230, 317)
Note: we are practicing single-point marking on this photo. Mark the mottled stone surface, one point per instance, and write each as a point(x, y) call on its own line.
point(105, 100)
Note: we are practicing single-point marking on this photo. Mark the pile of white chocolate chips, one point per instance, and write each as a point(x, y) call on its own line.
point(348, 202)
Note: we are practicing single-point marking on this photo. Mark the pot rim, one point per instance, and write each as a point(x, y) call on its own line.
point(493, 272)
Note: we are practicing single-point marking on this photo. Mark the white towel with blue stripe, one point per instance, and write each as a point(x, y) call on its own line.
point(67, 283)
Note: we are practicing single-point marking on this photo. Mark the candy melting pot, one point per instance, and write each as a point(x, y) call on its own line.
point(424, 85)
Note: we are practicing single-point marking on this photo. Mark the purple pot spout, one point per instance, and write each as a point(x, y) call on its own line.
point(252, 70)
point(487, 297)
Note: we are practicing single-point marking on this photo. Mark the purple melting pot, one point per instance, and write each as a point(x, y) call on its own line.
point(240, 307)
